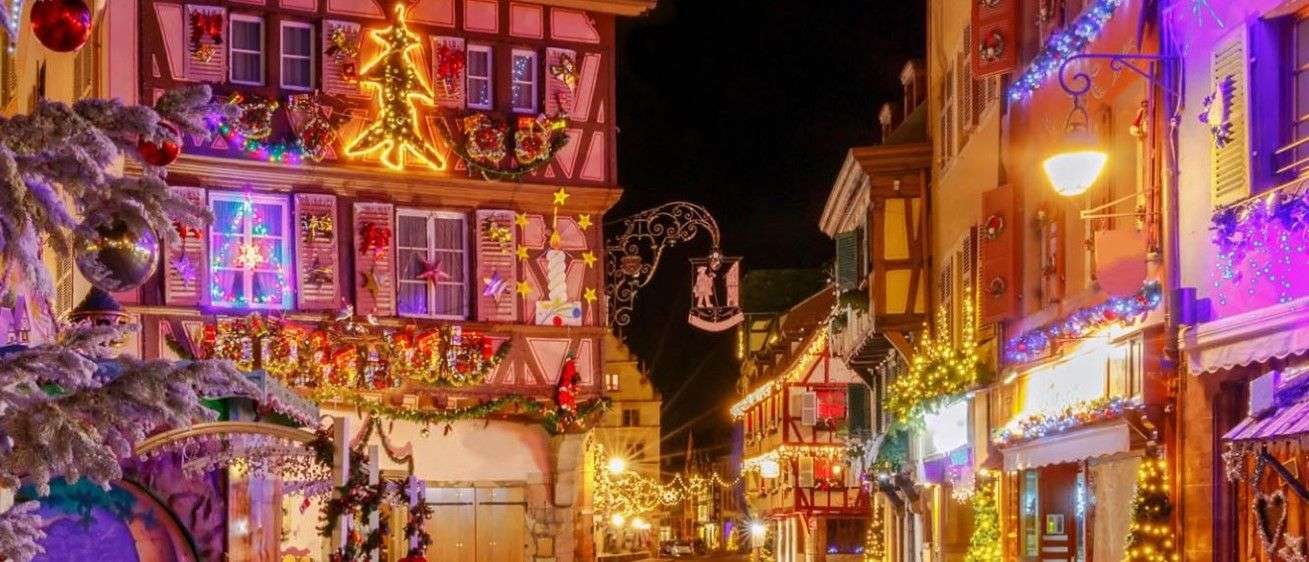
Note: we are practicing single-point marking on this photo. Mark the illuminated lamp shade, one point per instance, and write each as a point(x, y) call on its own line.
point(1075, 168)
point(769, 469)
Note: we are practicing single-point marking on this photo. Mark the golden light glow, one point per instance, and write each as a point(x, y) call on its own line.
point(1073, 172)
point(616, 465)
point(398, 85)
point(618, 520)
point(758, 529)
point(815, 350)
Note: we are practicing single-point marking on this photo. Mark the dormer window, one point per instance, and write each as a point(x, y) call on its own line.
point(247, 50)
point(297, 55)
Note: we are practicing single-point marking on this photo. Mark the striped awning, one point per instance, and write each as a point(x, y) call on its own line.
point(1287, 421)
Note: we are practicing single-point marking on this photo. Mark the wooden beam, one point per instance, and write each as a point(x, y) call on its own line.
point(901, 344)
point(615, 7)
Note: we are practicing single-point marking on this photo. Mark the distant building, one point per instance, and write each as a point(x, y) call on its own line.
point(629, 430)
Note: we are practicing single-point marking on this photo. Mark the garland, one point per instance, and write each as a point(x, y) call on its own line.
point(939, 370)
point(1062, 45)
point(344, 352)
point(1072, 417)
point(554, 420)
point(1263, 240)
point(1117, 311)
point(482, 145)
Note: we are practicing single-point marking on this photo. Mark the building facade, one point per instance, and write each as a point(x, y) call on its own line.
point(456, 207)
point(630, 430)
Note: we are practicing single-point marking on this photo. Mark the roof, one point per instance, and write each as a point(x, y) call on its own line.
point(789, 332)
point(616, 7)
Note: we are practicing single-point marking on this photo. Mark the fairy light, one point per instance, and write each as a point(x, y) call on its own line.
point(1084, 322)
point(628, 493)
point(394, 133)
point(1062, 45)
point(249, 256)
point(1150, 537)
point(984, 545)
point(814, 351)
point(939, 370)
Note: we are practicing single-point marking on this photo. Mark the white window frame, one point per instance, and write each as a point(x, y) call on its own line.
point(232, 50)
point(429, 215)
point(247, 276)
point(515, 81)
point(283, 55)
point(611, 382)
point(469, 78)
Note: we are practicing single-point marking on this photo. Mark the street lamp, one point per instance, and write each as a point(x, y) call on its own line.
point(1073, 170)
point(616, 465)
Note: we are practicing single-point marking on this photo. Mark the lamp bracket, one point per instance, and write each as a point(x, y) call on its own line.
point(1145, 65)
point(1094, 212)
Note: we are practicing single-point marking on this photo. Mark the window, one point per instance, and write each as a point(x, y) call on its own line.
point(247, 50)
point(631, 418)
point(831, 404)
point(947, 117)
point(478, 70)
point(250, 251)
point(611, 382)
point(297, 55)
point(638, 451)
point(1300, 92)
point(523, 90)
point(431, 253)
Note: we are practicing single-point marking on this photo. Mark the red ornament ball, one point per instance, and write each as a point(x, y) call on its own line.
point(61, 25)
point(161, 153)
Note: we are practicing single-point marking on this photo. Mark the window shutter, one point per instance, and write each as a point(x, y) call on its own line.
point(809, 411)
point(448, 79)
point(947, 115)
point(946, 297)
point(497, 270)
point(561, 67)
point(333, 63)
point(858, 410)
point(998, 256)
point(847, 260)
point(374, 250)
point(795, 402)
point(995, 25)
point(207, 35)
point(964, 87)
point(1231, 181)
point(316, 256)
point(806, 472)
point(186, 265)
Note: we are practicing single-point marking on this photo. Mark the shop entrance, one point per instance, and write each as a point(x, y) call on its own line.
point(477, 524)
point(1049, 515)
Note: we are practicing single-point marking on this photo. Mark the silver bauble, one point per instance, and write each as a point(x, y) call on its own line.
point(115, 255)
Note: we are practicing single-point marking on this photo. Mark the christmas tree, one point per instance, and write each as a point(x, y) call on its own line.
point(984, 545)
point(399, 84)
point(1150, 536)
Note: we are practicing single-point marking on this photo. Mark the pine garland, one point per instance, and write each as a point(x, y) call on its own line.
point(1150, 536)
point(984, 545)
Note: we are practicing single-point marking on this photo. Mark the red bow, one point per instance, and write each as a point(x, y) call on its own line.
point(206, 25)
point(450, 62)
point(377, 238)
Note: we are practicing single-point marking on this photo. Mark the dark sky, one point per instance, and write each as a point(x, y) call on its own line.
point(746, 107)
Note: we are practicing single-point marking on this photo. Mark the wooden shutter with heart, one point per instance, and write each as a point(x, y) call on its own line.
point(374, 251)
point(995, 36)
point(998, 261)
point(1231, 170)
point(206, 44)
point(497, 267)
point(317, 281)
point(449, 60)
point(340, 55)
point(186, 264)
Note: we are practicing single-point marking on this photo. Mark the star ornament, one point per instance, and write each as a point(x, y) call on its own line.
point(524, 289)
point(522, 252)
point(494, 286)
point(589, 294)
point(521, 219)
point(584, 221)
point(248, 256)
point(433, 272)
point(561, 197)
point(588, 257)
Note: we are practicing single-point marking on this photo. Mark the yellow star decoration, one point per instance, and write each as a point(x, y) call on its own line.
point(521, 219)
point(588, 258)
point(522, 252)
point(561, 197)
point(583, 221)
point(524, 289)
point(589, 294)
point(398, 85)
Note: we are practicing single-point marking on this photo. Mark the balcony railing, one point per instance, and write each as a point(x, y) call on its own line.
point(859, 326)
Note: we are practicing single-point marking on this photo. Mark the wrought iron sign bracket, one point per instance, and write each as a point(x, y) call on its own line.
point(635, 252)
point(1144, 65)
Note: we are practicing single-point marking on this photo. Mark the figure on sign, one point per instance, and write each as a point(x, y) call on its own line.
point(716, 288)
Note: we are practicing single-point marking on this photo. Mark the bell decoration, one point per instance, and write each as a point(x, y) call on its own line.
point(160, 153)
point(115, 255)
point(61, 25)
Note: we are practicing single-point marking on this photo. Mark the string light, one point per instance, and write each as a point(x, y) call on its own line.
point(939, 370)
point(394, 132)
point(984, 545)
point(1072, 417)
point(1061, 45)
point(816, 349)
point(1150, 537)
point(1117, 311)
point(248, 256)
point(628, 493)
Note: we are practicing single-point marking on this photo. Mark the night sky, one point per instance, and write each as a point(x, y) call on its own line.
point(746, 107)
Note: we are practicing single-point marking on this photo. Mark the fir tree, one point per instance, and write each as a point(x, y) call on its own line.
point(1150, 536)
point(984, 545)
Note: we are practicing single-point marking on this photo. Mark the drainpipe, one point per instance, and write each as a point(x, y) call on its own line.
point(1173, 78)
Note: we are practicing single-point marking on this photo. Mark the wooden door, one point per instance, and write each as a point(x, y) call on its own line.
point(1058, 513)
point(501, 525)
point(452, 525)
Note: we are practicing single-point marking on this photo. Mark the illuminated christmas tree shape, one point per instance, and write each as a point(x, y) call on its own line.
point(399, 85)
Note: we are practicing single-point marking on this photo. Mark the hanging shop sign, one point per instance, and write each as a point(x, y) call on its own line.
point(716, 293)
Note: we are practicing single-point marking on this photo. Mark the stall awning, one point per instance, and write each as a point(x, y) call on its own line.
point(1257, 336)
point(1287, 421)
point(1073, 446)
